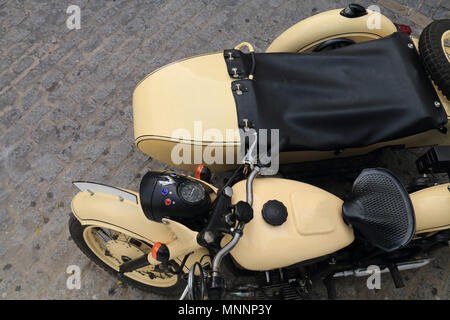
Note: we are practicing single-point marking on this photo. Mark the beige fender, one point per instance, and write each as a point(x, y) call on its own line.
point(109, 211)
point(308, 33)
point(432, 208)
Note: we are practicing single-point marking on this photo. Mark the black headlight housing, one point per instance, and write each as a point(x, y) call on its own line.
point(160, 198)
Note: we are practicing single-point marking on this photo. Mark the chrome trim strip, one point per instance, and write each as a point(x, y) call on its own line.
point(94, 187)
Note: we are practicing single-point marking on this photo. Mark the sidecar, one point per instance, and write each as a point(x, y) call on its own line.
point(326, 104)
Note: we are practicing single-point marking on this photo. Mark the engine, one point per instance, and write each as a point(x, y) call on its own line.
point(176, 197)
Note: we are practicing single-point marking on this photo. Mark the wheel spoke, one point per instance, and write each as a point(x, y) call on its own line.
point(447, 49)
point(103, 235)
point(446, 44)
point(112, 246)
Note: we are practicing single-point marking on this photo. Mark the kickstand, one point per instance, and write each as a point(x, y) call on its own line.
point(330, 284)
point(396, 277)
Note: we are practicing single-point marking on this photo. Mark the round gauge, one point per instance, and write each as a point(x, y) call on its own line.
point(192, 192)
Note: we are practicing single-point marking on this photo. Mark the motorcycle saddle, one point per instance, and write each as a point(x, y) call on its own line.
point(353, 96)
point(380, 210)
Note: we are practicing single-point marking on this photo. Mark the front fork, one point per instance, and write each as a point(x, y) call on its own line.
point(216, 284)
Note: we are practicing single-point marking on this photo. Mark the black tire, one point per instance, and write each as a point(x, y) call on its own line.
point(76, 232)
point(433, 55)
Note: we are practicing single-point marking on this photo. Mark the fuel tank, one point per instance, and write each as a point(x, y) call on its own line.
point(314, 226)
point(432, 208)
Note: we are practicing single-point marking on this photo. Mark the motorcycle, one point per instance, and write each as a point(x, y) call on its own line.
point(180, 235)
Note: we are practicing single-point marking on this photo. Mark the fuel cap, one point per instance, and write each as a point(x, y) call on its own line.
point(354, 10)
point(274, 213)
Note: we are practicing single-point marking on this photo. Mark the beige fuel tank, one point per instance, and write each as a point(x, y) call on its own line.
point(314, 225)
point(432, 208)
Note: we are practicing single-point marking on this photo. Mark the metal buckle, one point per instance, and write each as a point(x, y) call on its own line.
point(238, 91)
point(235, 71)
point(239, 88)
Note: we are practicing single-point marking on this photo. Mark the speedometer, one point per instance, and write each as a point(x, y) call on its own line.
point(192, 192)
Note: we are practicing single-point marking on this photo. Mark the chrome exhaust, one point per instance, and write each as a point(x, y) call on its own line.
point(362, 272)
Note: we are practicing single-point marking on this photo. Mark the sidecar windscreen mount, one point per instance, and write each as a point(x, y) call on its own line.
point(349, 97)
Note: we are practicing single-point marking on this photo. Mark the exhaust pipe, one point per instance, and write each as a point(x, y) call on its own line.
point(362, 272)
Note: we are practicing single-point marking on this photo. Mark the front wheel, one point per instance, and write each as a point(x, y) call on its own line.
point(109, 249)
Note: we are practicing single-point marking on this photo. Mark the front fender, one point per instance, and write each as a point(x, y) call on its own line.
point(115, 213)
point(110, 211)
point(307, 34)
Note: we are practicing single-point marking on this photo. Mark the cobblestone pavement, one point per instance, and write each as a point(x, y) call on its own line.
point(65, 114)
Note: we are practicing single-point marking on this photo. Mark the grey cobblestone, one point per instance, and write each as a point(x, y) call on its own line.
point(113, 42)
point(119, 153)
point(58, 91)
point(66, 130)
point(110, 28)
point(16, 34)
point(103, 92)
point(77, 74)
point(5, 79)
point(36, 113)
point(71, 150)
point(31, 221)
point(14, 135)
point(99, 173)
point(4, 64)
point(49, 61)
point(51, 81)
point(33, 285)
point(70, 62)
point(10, 116)
point(23, 64)
point(441, 14)
point(31, 97)
point(76, 172)
point(45, 168)
point(124, 177)
point(53, 227)
point(20, 151)
point(95, 150)
point(33, 249)
point(65, 114)
point(16, 51)
point(92, 43)
point(29, 79)
point(5, 218)
point(115, 129)
point(80, 92)
point(23, 201)
point(44, 133)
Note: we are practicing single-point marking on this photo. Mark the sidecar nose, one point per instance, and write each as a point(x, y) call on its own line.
point(189, 101)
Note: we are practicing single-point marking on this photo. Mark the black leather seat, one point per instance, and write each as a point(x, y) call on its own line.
point(354, 96)
point(380, 209)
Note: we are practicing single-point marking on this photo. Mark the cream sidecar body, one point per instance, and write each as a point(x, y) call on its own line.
point(187, 109)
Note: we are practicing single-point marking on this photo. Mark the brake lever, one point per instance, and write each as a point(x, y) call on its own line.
point(190, 287)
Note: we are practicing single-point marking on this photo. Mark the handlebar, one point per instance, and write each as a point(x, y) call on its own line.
point(216, 286)
point(238, 231)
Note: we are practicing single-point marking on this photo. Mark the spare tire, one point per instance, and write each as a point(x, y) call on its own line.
point(434, 47)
